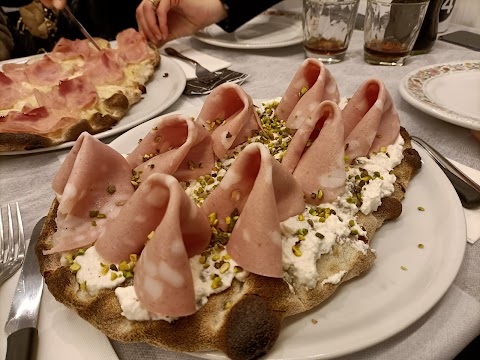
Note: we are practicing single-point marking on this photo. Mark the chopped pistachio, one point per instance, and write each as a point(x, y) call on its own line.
point(113, 267)
point(83, 286)
point(127, 274)
point(113, 276)
point(224, 267)
point(105, 269)
point(217, 282)
point(314, 321)
point(150, 236)
point(94, 223)
point(296, 251)
point(319, 235)
point(69, 258)
point(101, 216)
point(228, 305)
point(421, 208)
point(237, 269)
point(111, 189)
point(421, 246)
point(93, 213)
point(75, 267)
point(403, 268)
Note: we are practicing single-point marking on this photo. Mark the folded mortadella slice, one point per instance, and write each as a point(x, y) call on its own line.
point(176, 146)
point(163, 278)
point(160, 201)
point(228, 113)
point(265, 194)
point(320, 165)
point(92, 185)
point(370, 120)
point(319, 84)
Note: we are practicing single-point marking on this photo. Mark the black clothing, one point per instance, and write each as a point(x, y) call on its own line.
point(241, 11)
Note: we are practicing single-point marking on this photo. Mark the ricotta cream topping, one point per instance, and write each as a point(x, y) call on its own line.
point(305, 237)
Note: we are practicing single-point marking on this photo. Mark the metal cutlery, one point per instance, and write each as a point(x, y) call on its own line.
point(12, 243)
point(84, 31)
point(204, 75)
point(468, 190)
point(21, 325)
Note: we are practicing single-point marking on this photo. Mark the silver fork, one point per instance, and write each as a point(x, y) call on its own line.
point(203, 75)
point(12, 243)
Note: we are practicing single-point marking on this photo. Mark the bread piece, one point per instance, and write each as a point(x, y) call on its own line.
point(250, 326)
point(109, 110)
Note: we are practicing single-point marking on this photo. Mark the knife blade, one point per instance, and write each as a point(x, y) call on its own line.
point(21, 325)
point(80, 26)
point(468, 190)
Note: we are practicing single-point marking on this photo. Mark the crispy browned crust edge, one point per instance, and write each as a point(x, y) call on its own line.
point(251, 326)
point(115, 108)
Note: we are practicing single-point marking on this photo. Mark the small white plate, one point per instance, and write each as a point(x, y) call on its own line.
point(162, 91)
point(450, 92)
point(271, 29)
point(385, 300)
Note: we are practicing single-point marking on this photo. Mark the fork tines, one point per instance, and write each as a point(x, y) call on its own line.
point(12, 241)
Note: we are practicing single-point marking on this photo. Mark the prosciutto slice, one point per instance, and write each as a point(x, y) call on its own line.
point(132, 46)
point(16, 72)
point(176, 146)
point(92, 185)
point(370, 119)
point(163, 278)
point(74, 94)
point(296, 104)
point(236, 115)
point(37, 120)
point(46, 72)
point(10, 91)
point(264, 194)
point(66, 49)
point(104, 67)
point(319, 166)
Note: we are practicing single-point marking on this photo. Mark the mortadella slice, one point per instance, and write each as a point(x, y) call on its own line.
point(163, 278)
point(176, 146)
point(228, 113)
point(92, 185)
point(370, 120)
point(311, 84)
point(319, 166)
point(265, 194)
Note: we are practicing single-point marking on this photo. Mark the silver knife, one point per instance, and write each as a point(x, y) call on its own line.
point(80, 26)
point(468, 190)
point(21, 325)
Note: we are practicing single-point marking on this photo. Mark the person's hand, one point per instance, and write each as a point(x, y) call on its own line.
point(54, 4)
point(164, 20)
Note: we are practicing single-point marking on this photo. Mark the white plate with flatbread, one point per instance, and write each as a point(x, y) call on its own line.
point(163, 90)
point(404, 283)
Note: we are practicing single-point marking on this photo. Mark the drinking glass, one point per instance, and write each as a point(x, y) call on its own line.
point(327, 28)
point(391, 29)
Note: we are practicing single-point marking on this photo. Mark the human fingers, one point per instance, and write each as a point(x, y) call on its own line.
point(141, 16)
point(163, 8)
point(57, 4)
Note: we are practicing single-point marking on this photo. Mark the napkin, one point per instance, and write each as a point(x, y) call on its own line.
point(62, 333)
point(207, 61)
point(472, 216)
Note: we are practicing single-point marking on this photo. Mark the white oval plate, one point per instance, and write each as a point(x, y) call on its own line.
point(449, 92)
point(385, 300)
point(272, 29)
point(161, 93)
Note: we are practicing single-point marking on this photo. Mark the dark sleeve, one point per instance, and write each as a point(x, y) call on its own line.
point(241, 11)
point(15, 3)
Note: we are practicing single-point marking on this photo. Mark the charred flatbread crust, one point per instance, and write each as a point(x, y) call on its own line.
point(249, 328)
point(107, 113)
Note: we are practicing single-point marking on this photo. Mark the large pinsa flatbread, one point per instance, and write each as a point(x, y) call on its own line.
point(52, 99)
point(212, 231)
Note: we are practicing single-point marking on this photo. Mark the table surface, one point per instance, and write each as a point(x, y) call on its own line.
point(440, 334)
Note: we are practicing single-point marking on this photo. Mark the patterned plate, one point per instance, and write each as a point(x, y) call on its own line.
point(450, 92)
